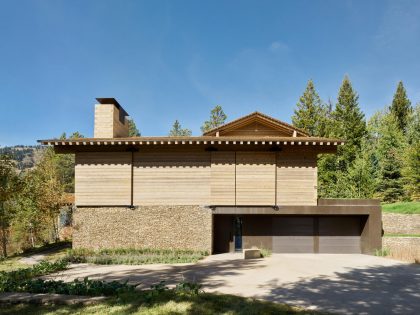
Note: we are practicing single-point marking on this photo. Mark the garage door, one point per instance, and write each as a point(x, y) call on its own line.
point(318, 234)
point(293, 235)
point(339, 234)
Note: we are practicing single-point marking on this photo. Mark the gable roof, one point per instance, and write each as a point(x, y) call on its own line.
point(260, 118)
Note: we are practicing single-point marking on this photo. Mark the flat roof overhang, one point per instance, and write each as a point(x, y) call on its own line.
point(122, 144)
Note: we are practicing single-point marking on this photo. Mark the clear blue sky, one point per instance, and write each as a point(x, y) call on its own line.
point(167, 60)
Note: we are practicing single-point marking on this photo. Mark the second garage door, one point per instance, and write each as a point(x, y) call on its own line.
point(317, 234)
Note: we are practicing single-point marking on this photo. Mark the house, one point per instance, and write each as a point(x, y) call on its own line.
point(250, 182)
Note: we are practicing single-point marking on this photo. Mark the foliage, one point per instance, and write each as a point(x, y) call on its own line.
point(10, 184)
point(132, 129)
point(265, 252)
point(133, 256)
point(311, 114)
point(25, 157)
point(402, 207)
point(401, 107)
point(390, 145)
point(178, 131)
point(383, 252)
point(86, 287)
point(217, 118)
point(400, 235)
point(9, 281)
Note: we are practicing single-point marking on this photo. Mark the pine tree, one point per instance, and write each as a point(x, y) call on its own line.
point(401, 107)
point(177, 130)
point(349, 124)
point(217, 118)
point(390, 145)
point(132, 129)
point(411, 168)
point(310, 114)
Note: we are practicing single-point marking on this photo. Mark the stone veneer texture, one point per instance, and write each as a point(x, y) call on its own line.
point(159, 227)
point(401, 223)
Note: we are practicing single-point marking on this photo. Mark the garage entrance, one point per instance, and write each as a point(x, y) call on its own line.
point(290, 234)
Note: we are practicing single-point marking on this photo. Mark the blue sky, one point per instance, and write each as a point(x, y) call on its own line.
point(167, 60)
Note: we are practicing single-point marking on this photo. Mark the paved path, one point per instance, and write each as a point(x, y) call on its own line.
point(347, 284)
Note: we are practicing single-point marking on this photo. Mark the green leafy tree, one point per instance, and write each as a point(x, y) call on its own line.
point(310, 113)
point(177, 130)
point(217, 118)
point(132, 129)
point(9, 186)
point(401, 107)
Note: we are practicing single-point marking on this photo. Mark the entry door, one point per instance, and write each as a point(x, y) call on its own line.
point(255, 178)
point(238, 233)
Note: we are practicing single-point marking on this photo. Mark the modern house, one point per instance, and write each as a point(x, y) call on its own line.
point(250, 182)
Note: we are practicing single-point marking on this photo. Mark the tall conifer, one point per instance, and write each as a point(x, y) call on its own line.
point(401, 107)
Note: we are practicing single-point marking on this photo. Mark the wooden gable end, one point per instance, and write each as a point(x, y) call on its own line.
point(257, 125)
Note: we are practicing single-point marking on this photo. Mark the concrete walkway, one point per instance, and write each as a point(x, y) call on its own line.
point(347, 284)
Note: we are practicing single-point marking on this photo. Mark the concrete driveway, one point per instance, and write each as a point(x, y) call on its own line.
point(348, 284)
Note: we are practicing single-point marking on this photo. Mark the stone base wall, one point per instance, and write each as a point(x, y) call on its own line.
point(159, 227)
point(403, 248)
point(394, 223)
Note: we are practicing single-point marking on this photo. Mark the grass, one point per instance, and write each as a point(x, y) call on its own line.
point(168, 302)
point(11, 264)
point(265, 252)
point(401, 235)
point(402, 207)
point(383, 252)
point(133, 256)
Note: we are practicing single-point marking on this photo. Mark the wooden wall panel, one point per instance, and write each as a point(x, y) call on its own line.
point(103, 178)
point(255, 178)
point(223, 178)
point(256, 129)
point(296, 178)
point(171, 178)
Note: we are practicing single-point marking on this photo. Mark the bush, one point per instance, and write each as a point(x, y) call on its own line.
point(12, 279)
point(382, 252)
point(131, 256)
point(76, 287)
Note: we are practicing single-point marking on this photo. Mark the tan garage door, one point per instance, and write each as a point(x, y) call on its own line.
point(339, 234)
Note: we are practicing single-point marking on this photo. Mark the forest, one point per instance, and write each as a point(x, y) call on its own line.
point(380, 159)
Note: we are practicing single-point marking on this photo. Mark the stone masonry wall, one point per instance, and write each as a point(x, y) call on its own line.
point(394, 223)
point(159, 227)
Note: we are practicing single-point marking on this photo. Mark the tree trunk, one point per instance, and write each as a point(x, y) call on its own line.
point(3, 230)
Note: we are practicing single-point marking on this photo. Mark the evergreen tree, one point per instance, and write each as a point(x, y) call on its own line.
point(177, 130)
point(401, 107)
point(310, 114)
point(390, 145)
point(132, 129)
point(349, 123)
point(217, 118)
point(411, 169)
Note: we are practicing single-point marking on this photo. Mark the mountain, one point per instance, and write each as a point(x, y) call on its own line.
point(25, 156)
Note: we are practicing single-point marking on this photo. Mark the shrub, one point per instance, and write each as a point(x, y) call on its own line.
point(131, 256)
point(382, 252)
point(265, 252)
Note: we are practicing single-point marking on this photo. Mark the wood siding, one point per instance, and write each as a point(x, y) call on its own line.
point(296, 178)
point(257, 129)
point(255, 178)
point(103, 178)
point(223, 178)
point(171, 178)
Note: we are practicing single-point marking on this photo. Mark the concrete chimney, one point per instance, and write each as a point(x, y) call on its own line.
point(110, 119)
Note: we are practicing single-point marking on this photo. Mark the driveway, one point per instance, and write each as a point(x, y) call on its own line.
point(348, 284)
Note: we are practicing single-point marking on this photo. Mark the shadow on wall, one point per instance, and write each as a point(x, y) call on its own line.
point(375, 290)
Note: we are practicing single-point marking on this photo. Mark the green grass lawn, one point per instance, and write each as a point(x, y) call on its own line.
point(402, 207)
point(168, 302)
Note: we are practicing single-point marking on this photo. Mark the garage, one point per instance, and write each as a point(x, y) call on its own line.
point(289, 234)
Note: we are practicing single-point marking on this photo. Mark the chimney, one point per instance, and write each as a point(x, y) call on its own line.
point(110, 119)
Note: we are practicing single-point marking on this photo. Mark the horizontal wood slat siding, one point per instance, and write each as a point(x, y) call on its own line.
point(257, 129)
point(255, 178)
point(171, 178)
point(223, 178)
point(103, 178)
point(296, 178)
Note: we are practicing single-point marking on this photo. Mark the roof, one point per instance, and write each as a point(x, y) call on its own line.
point(193, 140)
point(257, 117)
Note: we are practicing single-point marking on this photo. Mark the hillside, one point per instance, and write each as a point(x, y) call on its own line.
point(25, 156)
